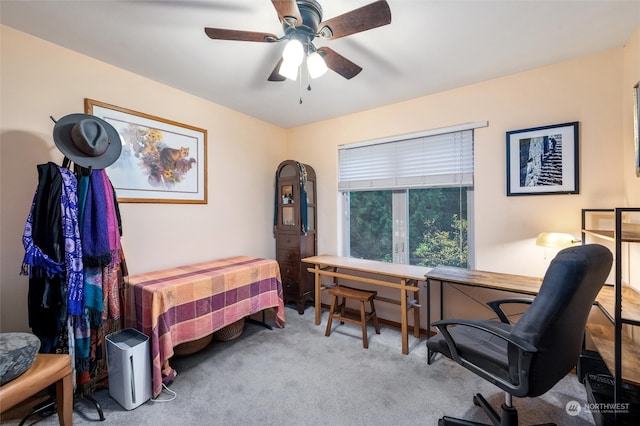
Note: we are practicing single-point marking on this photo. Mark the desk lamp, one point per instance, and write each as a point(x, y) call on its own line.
point(555, 240)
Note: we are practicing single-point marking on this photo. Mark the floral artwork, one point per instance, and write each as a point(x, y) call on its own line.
point(165, 166)
point(161, 161)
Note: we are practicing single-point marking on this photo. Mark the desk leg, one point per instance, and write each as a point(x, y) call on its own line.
point(317, 301)
point(428, 287)
point(416, 316)
point(64, 400)
point(441, 301)
point(429, 282)
point(262, 323)
point(403, 316)
point(429, 354)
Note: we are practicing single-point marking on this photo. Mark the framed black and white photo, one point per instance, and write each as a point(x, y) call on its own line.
point(543, 160)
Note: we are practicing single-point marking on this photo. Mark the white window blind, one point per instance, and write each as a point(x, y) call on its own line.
point(440, 160)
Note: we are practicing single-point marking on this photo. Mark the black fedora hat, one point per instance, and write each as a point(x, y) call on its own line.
point(87, 140)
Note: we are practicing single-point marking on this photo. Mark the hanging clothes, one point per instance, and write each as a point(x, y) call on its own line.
point(53, 255)
point(74, 260)
point(110, 283)
point(44, 244)
point(72, 246)
point(101, 248)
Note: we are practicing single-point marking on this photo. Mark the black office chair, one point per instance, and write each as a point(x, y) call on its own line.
point(529, 358)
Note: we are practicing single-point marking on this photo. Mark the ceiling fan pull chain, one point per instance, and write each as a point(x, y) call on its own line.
point(309, 44)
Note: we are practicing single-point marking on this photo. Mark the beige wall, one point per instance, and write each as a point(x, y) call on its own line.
point(587, 90)
point(592, 90)
point(631, 77)
point(40, 79)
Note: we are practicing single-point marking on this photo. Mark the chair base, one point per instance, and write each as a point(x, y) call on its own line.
point(508, 415)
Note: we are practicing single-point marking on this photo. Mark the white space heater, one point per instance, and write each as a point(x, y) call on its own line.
point(129, 367)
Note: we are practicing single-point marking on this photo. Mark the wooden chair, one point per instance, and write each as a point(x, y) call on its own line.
point(46, 370)
point(361, 296)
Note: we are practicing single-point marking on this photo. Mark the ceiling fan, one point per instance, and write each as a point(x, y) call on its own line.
point(302, 23)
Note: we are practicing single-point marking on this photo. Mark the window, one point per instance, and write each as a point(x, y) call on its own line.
point(409, 200)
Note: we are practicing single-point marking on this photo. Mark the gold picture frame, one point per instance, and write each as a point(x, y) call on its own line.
point(162, 161)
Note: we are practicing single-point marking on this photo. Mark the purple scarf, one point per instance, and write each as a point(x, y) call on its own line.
point(112, 219)
point(95, 235)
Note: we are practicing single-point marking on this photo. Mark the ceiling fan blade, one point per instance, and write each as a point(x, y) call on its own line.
point(229, 5)
point(275, 75)
point(364, 18)
point(222, 34)
point(288, 9)
point(339, 63)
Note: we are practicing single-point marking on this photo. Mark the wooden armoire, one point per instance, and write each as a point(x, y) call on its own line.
point(294, 229)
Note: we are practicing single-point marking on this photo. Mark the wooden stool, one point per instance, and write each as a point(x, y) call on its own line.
point(46, 370)
point(360, 295)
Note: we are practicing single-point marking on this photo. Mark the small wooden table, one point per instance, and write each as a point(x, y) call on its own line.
point(402, 277)
point(47, 369)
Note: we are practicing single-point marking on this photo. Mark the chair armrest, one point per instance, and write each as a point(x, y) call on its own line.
point(496, 305)
point(520, 387)
point(442, 325)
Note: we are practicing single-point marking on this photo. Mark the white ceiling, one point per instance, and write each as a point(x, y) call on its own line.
point(430, 46)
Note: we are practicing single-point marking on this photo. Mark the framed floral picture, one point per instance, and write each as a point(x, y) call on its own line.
point(543, 160)
point(162, 161)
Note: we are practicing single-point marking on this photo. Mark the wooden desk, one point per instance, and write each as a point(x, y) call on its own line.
point(601, 335)
point(402, 277)
point(484, 279)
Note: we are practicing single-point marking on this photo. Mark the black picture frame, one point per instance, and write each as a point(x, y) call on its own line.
point(543, 160)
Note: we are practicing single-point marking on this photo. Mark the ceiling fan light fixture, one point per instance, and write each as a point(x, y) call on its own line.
point(293, 52)
point(288, 70)
point(316, 65)
point(325, 33)
point(302, 21)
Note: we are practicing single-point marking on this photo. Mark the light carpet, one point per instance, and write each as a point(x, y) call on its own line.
point(297, 376)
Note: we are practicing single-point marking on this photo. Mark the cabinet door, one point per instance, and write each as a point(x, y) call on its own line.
point(311, 205)
point(288, 204)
